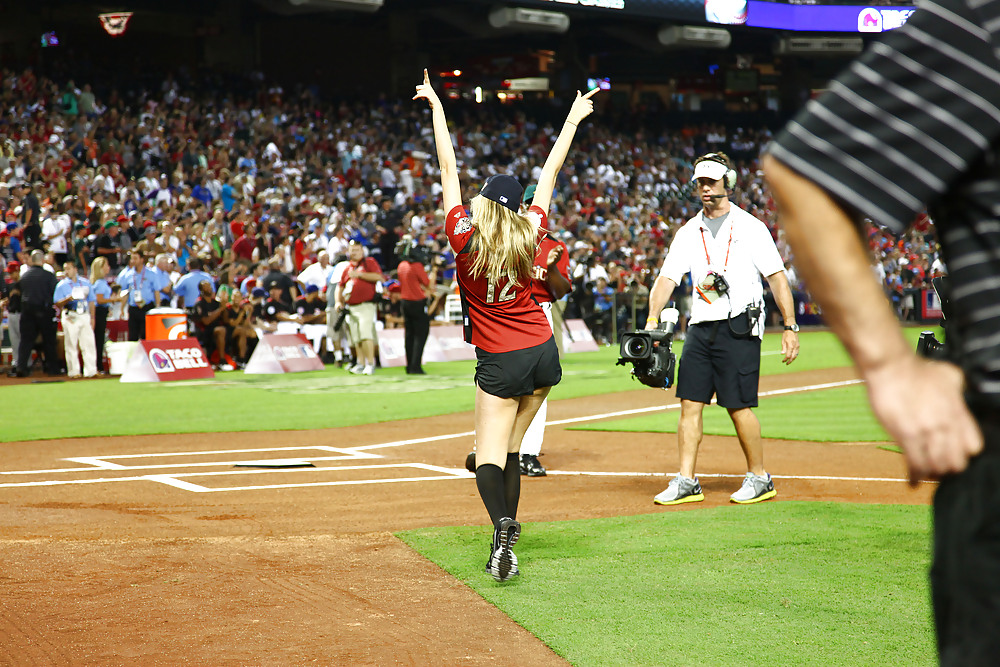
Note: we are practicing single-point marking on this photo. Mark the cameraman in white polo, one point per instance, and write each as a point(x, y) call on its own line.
point(726, 250)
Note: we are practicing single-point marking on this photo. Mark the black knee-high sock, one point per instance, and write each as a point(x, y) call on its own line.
point(512, 483)
point(490, 481)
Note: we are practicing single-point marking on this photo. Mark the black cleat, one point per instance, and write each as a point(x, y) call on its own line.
point(503, 563)
point(530, 466)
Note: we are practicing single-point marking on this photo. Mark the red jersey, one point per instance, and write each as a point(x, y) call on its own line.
point(499, 317)
point(411, 279)
point(362, 290)
point(540, 270)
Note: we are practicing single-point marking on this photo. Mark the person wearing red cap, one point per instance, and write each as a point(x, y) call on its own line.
point(518, 361)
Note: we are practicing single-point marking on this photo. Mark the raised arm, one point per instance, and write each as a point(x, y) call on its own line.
point(582, 107)
point(451, 189)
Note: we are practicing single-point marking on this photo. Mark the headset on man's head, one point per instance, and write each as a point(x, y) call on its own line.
point(729, 179)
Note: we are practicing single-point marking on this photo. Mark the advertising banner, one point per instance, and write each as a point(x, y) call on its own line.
point(167, 360)
point(283, 353)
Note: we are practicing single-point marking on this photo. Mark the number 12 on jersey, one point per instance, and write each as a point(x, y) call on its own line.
point(506, 294)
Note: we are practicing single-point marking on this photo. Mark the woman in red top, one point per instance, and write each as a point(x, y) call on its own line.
point(518, 361)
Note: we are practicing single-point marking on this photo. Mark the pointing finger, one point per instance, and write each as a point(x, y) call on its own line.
point(590, 93)
point(427, 78)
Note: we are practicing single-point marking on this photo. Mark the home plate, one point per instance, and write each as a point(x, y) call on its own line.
point(275, 463)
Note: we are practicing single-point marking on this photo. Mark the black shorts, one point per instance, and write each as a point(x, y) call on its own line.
point(965, 575)
point(519, 372)
point(717, 362)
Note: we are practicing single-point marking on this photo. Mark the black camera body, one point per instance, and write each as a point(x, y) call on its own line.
point(653, 361)
point(720, 283)
point(408, 252)
point(342, 313)
point(929, 347)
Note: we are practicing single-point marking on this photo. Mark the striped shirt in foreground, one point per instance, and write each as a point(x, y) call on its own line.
point(914, 122)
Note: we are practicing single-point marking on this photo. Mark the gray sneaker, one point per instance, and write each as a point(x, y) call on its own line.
point(755, 489)
point(680, 490)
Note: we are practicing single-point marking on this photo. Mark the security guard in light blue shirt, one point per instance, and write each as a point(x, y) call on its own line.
point(78, 300)
point(140, 283)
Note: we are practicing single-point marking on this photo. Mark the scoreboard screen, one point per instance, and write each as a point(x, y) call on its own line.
point(753, 13)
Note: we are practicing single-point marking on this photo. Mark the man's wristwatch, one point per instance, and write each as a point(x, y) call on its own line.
point(792, 327)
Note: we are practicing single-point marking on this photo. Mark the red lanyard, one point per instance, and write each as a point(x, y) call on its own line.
point(728, 245)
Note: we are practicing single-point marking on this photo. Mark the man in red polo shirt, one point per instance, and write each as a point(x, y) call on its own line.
point(357, 291)
point(416, 287)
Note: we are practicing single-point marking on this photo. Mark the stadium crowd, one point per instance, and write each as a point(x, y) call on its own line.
point(214, 193)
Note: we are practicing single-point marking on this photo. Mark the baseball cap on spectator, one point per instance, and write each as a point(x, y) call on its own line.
point(393, 286)
point(258, 292)
point(149, 224)
point(110, 223)
point(122, 218)
point(237, 228)
point(13, 266)
point(77, 226)
point(504, 190)
point(529, 194)
point(311, 289)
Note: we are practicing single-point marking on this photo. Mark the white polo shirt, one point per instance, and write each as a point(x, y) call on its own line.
point(742, 251)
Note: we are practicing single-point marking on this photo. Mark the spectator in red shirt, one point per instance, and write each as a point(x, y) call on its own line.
point(416, 288)
point(357, 291)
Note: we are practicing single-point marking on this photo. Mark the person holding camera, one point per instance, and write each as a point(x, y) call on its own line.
point(415, 288)
point(864, 150)
point(357, 292)
point(518, 361)
point(726, 250)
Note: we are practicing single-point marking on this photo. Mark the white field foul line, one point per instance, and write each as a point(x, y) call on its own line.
point(674, 406)
point(721, 475)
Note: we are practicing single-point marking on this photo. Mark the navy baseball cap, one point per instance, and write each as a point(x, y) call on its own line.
point(311, 288)
point(258, 292)
point(504, 190)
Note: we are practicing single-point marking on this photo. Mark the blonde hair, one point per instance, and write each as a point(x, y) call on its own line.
point(96, 267)
point(504, 243)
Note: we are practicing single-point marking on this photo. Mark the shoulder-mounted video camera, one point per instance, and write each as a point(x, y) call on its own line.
point(408, 252)
point(653, 361)
point(928, 346)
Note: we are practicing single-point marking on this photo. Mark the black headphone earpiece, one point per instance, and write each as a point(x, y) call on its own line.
point(729, 178)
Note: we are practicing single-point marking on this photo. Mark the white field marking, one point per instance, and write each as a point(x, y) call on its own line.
point(103, 462)
point(324, 448)
point(96, 462)
point(720, 475)
point(445, 474)
point(415, 441)
point(174, 480)
point(674, 406)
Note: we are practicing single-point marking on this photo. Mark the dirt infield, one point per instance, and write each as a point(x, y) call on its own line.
point(157, 550)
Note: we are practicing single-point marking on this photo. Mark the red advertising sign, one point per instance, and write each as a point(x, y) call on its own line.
point(166, 360)
point(283, 353)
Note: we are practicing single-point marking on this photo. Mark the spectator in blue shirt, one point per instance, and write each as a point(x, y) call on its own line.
point(604, 303)
point(76, 297)
point(186, 290)
point(138, 280)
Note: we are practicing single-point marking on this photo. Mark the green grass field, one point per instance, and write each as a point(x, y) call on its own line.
point(782, 583)
point(814, 415)
point(776, 584)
